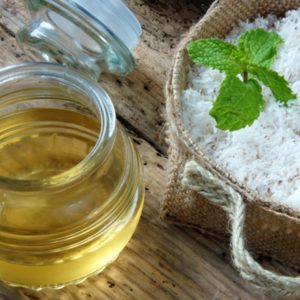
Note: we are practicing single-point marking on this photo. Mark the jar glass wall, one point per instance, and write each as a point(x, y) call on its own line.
point(70, 187)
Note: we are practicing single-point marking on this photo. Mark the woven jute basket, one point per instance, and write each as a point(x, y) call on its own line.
point(201, 194)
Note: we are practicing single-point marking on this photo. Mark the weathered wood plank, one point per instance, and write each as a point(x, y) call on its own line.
point(163, 23)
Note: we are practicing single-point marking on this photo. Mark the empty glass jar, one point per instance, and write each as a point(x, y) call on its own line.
point(70, 178)
point(89, 36)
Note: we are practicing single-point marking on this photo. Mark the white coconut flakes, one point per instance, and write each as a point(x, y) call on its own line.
point(266, 155)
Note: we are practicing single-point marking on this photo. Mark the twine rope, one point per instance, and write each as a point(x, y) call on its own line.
point(197, 178)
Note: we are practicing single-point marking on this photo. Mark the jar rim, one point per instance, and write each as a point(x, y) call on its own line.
point(105, 114)
point(125, 21)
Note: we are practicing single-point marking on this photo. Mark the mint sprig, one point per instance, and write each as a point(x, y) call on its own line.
point(240, 102)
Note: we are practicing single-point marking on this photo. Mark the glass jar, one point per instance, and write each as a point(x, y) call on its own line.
point(89, 36)
point(70, 178)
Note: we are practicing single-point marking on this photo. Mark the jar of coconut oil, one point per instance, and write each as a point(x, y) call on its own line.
point(70, 178)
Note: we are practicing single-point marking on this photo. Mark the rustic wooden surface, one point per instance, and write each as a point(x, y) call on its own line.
point(161, 261)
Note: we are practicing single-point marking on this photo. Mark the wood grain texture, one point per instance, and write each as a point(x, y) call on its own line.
point(161, 261)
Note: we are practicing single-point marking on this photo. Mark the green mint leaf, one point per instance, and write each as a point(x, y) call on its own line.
point(278, 85)
point(259, 46)
point(238, 104)
point(216, 54)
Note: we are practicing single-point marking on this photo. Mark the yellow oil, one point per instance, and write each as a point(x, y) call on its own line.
point(36, 144)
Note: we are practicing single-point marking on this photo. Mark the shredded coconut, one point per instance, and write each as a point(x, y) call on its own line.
point(266, 155)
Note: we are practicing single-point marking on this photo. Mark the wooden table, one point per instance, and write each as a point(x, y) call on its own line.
point(161, 261)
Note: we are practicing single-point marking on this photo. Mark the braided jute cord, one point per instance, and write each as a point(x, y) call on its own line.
point(197, 178)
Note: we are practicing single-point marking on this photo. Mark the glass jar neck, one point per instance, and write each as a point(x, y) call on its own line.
point(72, 34)
point(34, 82)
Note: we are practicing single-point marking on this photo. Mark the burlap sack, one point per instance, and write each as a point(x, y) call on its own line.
point(270, 229)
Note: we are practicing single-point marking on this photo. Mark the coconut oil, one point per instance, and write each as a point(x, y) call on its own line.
point(70, 191)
